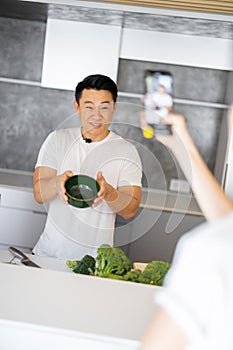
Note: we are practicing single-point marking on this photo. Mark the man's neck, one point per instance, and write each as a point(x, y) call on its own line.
point(89, 137)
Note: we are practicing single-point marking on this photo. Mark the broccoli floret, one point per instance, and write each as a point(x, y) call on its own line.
point(111, 260)
point(154, 272)
point(73, 264)
point(85, 266)
point(111, 275)
point(133, 275)
point(89, 262)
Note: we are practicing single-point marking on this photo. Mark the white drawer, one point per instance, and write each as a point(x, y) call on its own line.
point(20, 227)
point(13, 197)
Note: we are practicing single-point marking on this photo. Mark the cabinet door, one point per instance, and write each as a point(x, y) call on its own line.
point(20, 227)
point(22, 219)
point(19, 198)
point(172, 48)
point(229, 161)
point(149, 237)
point(224, 159)
point(74, 50)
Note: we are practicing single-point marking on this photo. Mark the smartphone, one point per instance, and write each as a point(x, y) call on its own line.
point(157, 101)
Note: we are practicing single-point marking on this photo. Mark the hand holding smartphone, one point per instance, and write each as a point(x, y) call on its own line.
point(158, 102)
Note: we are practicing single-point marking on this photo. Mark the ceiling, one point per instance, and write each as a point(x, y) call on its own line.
point(220, 6)
point(38, 11)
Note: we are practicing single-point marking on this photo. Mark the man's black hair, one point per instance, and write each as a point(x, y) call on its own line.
point(96, 82)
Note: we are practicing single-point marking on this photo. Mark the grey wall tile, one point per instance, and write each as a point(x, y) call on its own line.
point(85, 14)
point(204, 125)
point(24, 10)
point(179, 25)
point(22, 47)
point(207, 85)
point(27, 115)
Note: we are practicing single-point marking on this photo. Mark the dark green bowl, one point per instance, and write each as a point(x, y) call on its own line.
point(81, 190)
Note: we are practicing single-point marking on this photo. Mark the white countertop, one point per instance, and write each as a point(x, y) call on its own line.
point(93, 312)
point(16, 178)
point(44, 262)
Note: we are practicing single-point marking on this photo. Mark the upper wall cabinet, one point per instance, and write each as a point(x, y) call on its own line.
point(74, 50)
point(172, 48)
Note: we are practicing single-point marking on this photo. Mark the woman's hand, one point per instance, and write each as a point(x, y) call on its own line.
point(179, 129)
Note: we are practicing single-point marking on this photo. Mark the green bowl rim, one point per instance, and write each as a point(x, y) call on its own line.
point(78, 199)
point(81, 200)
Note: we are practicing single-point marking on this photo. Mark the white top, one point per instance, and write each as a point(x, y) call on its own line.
point(199, 286)
point(73, 232)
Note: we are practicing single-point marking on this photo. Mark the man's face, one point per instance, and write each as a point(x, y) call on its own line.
point(96, 108)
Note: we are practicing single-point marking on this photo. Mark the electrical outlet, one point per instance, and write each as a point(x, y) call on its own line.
point(178, 185)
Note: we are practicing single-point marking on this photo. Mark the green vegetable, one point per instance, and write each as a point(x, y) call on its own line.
point(85, 266)
point(154, 272)
point(112, 275)
point(133, 275)
point(111, 261)
point(73, 264)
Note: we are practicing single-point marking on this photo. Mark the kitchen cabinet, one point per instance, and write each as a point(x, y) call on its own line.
point(22, 219)
point(229, 165)
point(160, 232)
point(224, 159)
point(97, 48)
point(154, 233)
point(74, 50)
point(175, 48)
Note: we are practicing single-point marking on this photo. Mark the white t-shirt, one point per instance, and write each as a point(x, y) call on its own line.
point(71, 233)
point(198, 291)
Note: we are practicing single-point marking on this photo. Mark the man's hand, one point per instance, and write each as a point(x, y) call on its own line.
point(60, 185)
point(106, 192)
point(47, 185)
point(124, 200)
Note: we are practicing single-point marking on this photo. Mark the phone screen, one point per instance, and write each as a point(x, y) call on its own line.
point(157, 100)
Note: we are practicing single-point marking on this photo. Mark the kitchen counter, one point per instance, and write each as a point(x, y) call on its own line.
point(16, 178)
point(44, 262)
point(53, 308)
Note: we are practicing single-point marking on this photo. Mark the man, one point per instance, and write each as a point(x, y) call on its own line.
point(196, 306)
point(96, 151)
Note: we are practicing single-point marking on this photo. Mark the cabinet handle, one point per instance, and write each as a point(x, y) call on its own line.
point(225, 177)
point(39, 212)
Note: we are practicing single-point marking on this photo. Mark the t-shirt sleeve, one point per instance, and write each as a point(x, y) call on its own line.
point(48, 153)
point(131, 171)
